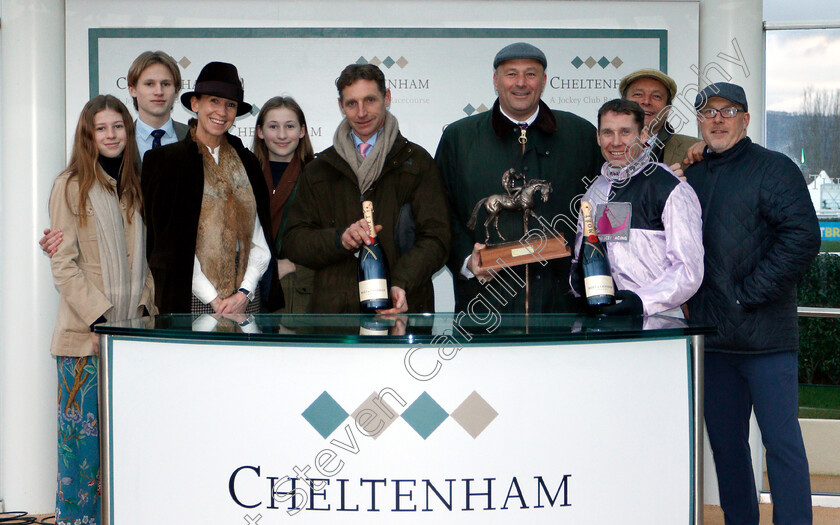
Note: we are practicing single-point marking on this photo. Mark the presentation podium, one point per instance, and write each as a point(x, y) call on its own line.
point(448, 418)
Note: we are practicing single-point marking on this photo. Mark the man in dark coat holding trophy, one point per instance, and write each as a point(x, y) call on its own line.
point(476, 153)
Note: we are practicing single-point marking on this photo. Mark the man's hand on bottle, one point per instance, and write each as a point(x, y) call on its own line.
point(356, 235)
point(626, 303)
point(398, 300)
point(50, 241)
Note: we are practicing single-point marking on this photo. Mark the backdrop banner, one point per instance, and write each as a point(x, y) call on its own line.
point(436, 76)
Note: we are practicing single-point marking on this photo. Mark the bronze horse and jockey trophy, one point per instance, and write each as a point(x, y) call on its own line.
point(535, 245)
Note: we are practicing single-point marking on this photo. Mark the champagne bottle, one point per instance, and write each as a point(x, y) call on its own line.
point(597, 279)
point(374, 280)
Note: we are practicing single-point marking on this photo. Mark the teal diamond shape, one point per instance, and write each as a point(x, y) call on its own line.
point(603, 62)
point(388, 62)
point(577, 62)
point(255, 110)
point(424, 415)
point(469, 110)
point(324, 414)
point(361, 61)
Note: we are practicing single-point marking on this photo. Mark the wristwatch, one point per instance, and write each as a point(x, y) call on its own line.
point(249, 295)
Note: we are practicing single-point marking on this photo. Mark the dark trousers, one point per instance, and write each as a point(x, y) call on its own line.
point(767, 383)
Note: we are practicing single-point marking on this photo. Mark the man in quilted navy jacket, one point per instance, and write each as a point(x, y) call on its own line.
point(760, 233)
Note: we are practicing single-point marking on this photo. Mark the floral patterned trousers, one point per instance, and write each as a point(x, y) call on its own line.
point(77, 499)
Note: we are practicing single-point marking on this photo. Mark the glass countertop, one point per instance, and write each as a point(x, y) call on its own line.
point(483, 328)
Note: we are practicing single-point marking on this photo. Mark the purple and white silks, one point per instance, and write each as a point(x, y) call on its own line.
point(663, 267)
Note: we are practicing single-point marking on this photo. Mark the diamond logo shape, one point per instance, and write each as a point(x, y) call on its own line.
point(361, 61)
point(424, 415)
point(375, 61)
point(184, 62)
point(402, 62)
point(474, 414)
point(481, 109)
point(616, 62)
point(603, 62)
point(255, 110)
point(374, 416)
point(388, 62)
point(469, 110)
point(577, 62)
point(590, 62)
point(324, 414)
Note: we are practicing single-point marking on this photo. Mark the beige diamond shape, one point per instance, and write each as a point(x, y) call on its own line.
point(184, 62)
point(374, 416)
point(474, 414)
point(616, 62)
point(481, 109)
point(375, 61)
point(590, 62)
point(402, 62)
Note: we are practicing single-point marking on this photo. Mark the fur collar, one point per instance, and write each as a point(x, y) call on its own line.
point(228, 209)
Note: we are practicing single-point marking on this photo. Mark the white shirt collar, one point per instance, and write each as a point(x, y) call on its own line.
point(530, 120)
point(371, 141)
point(214, 152)
point(144, 130)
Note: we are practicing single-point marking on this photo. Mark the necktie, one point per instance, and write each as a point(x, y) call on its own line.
point(364, 149)
point(157, 134)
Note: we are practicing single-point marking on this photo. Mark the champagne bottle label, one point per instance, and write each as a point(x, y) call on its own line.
point(598, 285)
point(373, 289)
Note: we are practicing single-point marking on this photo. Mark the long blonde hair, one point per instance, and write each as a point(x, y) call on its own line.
point(303, 152)
point(83, 159)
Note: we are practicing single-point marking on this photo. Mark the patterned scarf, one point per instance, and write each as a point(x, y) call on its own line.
point(367, 169)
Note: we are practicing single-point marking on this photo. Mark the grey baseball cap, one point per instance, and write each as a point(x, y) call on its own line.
point(731, 92)
point(520, 50)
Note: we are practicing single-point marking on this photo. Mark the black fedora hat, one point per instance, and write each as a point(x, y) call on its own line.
point(222, 80)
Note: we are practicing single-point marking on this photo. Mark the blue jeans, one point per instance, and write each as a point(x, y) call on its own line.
point(768, 384)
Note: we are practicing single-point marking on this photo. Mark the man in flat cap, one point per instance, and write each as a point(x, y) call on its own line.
point(654, 91)
point(760, 234)
point(521, 134)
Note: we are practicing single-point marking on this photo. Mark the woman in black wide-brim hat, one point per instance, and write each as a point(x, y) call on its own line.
point(205, 202)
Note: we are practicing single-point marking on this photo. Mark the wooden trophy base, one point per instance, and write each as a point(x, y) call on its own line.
point(517, 253)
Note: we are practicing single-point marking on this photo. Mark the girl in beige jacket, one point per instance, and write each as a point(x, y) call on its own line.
point(101, 274)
